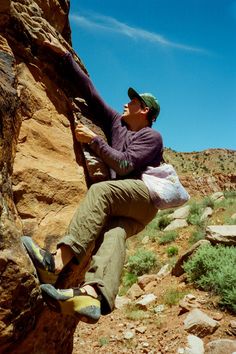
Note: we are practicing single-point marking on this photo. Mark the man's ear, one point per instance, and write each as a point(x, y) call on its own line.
point(145, 109)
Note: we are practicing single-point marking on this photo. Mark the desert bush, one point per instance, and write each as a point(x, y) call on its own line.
point(103, 341)
point(207, 202)
point(163, 222)
point(153, 224)
point(230, 221)
point(214, 269)
point(135, 313)
point(197, 235)
point(230, 194)
point(195, 213)
point(168, 237)
point(141, 262)
point(172, 296)
point(172, 251)
point(128, 279)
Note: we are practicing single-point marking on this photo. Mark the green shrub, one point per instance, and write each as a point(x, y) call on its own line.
point(229, 299)
point(172, 251)
point(141, 262)
point(128, 279)
point(135, 313)
point(168, 237)
point(151, 233)
point(207, 202)
point(230, 194)
point(103, 341)
point(172, 296)
point(229, 201)
point(151, 230)
point(230, 221)
point(195, 213)
point(153, 225)
point(214, 269)
point(163, 222)
point(196, 236)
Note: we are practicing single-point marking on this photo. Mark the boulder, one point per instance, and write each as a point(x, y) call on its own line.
point(143, 280)
point(164, 271)
point(188, 303)
point(195, 345)
point(217, 197)
point(134, 292)
point(121, 301)
point(180, 213)
point(146, 300)
point(176, 224)
point(200, 324)
point(220, 346)
point(223, 234)
point(206, 213)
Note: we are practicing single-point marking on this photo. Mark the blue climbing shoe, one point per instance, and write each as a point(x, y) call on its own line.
point(73, 302)
point(42, 259)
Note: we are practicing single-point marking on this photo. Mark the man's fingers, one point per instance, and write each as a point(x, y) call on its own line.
point(79, 125)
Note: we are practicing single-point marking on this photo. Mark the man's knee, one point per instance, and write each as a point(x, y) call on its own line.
point(99, 189)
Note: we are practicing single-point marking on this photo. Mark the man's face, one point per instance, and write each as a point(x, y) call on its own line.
point(131, 110)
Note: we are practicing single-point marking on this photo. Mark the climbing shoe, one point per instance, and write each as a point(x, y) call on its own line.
point(42, 260)
point(73, 302)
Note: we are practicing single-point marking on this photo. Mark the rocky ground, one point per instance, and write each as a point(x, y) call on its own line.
point(162, 324)
point(162, 332)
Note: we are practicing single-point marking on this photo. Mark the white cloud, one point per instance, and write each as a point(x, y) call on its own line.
point(109, 24)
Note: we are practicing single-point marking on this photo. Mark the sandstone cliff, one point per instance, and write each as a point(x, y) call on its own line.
point(43, 173)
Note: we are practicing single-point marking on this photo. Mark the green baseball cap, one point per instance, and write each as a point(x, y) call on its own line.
point(148, 99)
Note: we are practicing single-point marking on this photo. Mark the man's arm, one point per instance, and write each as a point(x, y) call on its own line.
point(144, 150)
point(95, 103)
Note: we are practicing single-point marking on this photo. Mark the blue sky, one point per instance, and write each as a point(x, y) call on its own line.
point(182, 51)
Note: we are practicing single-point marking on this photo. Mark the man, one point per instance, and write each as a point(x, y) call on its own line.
point(112, 210)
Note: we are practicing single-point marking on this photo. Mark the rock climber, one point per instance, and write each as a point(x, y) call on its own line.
point(112, 210)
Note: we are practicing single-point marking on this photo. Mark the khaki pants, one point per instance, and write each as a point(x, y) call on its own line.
point(112, 211)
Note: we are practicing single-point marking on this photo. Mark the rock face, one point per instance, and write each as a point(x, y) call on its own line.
point(43, 170)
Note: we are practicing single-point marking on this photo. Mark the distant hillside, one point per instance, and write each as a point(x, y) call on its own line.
point(209, 161)
point(206, 171)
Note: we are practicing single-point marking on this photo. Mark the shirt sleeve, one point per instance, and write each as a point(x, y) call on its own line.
point(138, 155)
point(96, 105)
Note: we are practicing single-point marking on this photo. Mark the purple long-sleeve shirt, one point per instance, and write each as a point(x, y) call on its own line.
point(131, 151)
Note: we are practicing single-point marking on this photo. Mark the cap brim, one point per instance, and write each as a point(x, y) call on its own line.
point(134, 94)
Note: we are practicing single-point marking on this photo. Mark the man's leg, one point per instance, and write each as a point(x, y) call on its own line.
point(127, 204)
point(126, 198)
point(107, 264)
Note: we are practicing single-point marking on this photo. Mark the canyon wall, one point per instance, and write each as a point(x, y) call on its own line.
point(43, 172)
